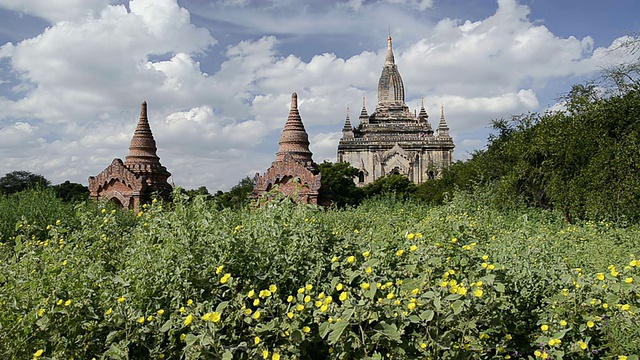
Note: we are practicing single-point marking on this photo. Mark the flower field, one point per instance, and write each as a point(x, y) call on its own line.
point(390, 279)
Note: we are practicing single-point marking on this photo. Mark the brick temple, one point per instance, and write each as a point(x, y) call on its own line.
point(132, 183)
point(293, 173)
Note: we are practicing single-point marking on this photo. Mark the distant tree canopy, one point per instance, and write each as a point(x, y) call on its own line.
point(238, 196)
point(71, 192)
point(17, 181)
point(337, 184)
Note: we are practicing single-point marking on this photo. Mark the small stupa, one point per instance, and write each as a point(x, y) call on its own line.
point(293, 173)
point(132, 182)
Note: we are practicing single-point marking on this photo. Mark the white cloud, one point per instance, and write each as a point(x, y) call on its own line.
point(58, 10)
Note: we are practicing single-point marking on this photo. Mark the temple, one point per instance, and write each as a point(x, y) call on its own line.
point(393, 140)
point(132, 182)
point(293, 173)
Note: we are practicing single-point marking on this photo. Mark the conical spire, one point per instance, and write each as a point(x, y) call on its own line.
point(142, 150)
point(423, 113)
point(443, 129)
point(294, 139)
point(347, 123)
point(390, 60)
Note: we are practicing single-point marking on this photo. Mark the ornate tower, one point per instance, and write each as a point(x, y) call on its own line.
point(133, 182)
point(293, 173)
point(393, 140)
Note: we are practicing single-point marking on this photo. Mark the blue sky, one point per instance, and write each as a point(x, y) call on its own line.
point(218, 75)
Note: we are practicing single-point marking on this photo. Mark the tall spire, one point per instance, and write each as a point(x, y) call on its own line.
point(294, 139)
point(390, 85)
point(390, 60)
point(142, 150)
point(443, 129)
point(347, 130)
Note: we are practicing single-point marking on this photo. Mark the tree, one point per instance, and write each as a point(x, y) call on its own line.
point(337, 184)
point(17, 181)
point(238, 196)
point(71, 192)
point(392, 184)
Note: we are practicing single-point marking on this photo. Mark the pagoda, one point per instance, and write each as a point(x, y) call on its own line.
point(293, 173)
point(393, 140)
point(133, 182)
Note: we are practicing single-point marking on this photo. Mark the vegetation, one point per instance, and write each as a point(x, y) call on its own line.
point(390, 278)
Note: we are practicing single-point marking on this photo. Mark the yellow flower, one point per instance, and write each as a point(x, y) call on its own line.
point(225, 278)
point(328, 300)
point(308, 287)
point(478, 292)
point(248, 312)
point(264, 293)
point(183, 336)
point(251, 294)
point(307, 298)
point(41, 312)
point(399, 252)
point(491, 267)
point(622, 357)
point(484, 265)
point(563, 323)
point(38, 353)
point(273, 288)
point(122, 299)
point(343, 296)
point(275, 356)
point(462, 290)
point(485, 257)
point(257, 315)
point(335, 259)
point(411, 306)
point(590, 324)
point(188, 320)
point(413, 248)
point(299, 307)
point(265, 354)
point(301, 290)
point(410, 236)
point(423, 345)
point(339, 287)
point(454, 240)
point(324, 308)
point(160, 312)
point(368, 270)
point(306, 329)
point(628, 280)
point(366, 253)
point(256, 340)
point(67, 303)
point(109, 312)
point(141, 320)
point(554, 342)
point(544, 327)
point(318, 303)
point(390, 295)
point(625, 307)
point(415, 291)
point(351, 259)
point(600, 276)
point(206, 317)
point(64, 263)
point(290, 315)
point(290, 298)
point(189, 302)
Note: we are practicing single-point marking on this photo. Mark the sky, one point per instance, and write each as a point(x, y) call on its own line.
point(218, 75)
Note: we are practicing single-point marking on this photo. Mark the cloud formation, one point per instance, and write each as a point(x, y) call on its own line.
point(69, 97)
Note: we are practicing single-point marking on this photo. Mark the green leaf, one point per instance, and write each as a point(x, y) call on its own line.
point(223, 305)
point(190, 339)
point(116, 351)
point(227, 355)
point(499, 287)
point(166, 326)
point(336, 331)
point(427, 315)
point(457, 306)
point(452, 297)
point(324, 329)
point(388, 330)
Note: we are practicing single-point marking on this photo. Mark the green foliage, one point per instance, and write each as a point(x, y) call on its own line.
point(17, 181)
point(71, 192)
point(390, 278)
point(238, 196)
point(392, 184)
point(337, 184)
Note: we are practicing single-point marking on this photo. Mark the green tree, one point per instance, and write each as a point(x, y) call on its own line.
point(392, 184)
point(71, 192)
point(337, 184)
point(238, 196)
point(17, 181)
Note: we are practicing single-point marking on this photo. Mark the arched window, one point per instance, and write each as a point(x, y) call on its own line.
point(361, 176)
point(432, 175)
